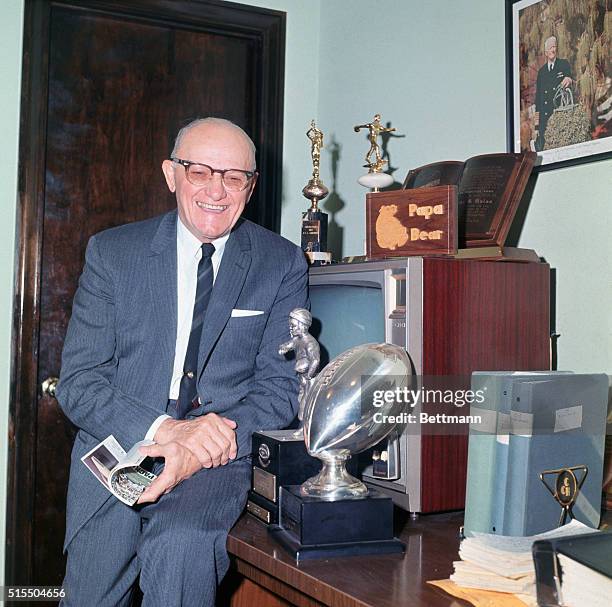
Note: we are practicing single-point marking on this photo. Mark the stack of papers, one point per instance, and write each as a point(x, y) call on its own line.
point(505, 563)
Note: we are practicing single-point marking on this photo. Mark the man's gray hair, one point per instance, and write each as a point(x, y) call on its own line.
point(211, 120)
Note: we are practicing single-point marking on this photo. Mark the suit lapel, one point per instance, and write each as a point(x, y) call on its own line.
point(228, 285)
point(162, 279)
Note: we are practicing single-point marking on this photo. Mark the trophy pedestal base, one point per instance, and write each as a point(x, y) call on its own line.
point(314, 237)
point(302, 552)
point(310, 528)
point(319, 258)
point(375, 181)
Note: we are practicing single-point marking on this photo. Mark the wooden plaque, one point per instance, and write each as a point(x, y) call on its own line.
point(402, 223)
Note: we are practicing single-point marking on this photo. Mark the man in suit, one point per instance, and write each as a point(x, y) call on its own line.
point(554, 73)
point(139, 362)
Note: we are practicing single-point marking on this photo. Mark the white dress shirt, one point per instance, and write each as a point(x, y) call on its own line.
point(188, 255)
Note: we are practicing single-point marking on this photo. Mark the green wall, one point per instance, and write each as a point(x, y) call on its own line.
point(301, 102)
point(436, 70)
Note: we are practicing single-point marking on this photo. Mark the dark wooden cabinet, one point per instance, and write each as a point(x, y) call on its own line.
point(477, 316)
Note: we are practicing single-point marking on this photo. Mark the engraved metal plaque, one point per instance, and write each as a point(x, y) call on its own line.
point(264, 483)
point(261, 513)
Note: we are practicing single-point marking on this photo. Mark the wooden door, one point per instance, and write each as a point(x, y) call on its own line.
point(106, 86)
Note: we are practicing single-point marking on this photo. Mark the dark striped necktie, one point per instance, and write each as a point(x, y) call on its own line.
point(189, 382)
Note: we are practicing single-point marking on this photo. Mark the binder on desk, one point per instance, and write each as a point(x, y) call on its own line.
point(558, 422)
point(488, 448)
point(479, 492)
point(592, 550)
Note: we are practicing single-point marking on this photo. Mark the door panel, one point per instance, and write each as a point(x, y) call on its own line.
point(103, 102)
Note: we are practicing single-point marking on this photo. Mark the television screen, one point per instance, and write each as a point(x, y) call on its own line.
point(345, 316)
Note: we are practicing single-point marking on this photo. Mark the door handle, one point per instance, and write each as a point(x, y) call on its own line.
point(49, 385)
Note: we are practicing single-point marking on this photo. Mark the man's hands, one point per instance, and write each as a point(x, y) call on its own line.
point(566, 82)
point(211, 438)
point(188, 446)
point(181, 463)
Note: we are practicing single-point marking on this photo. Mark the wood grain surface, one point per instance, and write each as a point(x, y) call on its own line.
point(432, 544)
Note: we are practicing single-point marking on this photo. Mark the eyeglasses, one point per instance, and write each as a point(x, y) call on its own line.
point(234, 180)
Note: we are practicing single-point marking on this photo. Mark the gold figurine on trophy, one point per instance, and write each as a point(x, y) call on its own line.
point(314, 221)
point(316, 138)
point(375, 178)
point(315, 190)
point(375, 128)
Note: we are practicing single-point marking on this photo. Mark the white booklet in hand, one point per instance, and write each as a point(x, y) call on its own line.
point(118, 471)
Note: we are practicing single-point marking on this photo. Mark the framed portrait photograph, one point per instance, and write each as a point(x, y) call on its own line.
point(559, 74)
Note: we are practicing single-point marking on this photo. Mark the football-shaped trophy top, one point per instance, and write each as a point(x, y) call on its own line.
point(345, 396)
point(340, 414)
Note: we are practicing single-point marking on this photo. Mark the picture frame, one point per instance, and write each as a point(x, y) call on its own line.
point(566, 122)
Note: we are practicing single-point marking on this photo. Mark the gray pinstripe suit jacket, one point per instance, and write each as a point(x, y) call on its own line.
point(119, 349)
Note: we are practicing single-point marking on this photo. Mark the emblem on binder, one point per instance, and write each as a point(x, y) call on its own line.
point(566, 488)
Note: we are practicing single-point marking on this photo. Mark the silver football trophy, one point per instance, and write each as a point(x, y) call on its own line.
point(340, 412)
point(342, 417)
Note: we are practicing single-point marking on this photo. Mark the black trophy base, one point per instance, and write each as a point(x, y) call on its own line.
point(279, 458)
point(311, 528)
point(302, 552)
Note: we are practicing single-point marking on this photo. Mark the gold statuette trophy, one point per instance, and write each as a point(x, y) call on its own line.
point(374, 162)
point(314, 221)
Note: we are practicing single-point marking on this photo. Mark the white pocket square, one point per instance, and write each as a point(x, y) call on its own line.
point(236, 312)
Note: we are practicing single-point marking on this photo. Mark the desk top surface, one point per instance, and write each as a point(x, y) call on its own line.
point(432, 543)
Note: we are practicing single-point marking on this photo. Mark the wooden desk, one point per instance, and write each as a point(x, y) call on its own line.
point(263, 574)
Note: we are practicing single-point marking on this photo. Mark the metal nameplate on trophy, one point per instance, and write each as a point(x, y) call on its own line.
point(334, 513)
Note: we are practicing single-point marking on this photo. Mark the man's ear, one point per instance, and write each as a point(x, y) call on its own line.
point(252, 187)
point(168, 169)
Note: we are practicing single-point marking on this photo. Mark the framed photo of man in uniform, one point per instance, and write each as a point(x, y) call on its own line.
point(559, 79)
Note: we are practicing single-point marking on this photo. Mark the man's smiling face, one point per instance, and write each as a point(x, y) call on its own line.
point(210, 211)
